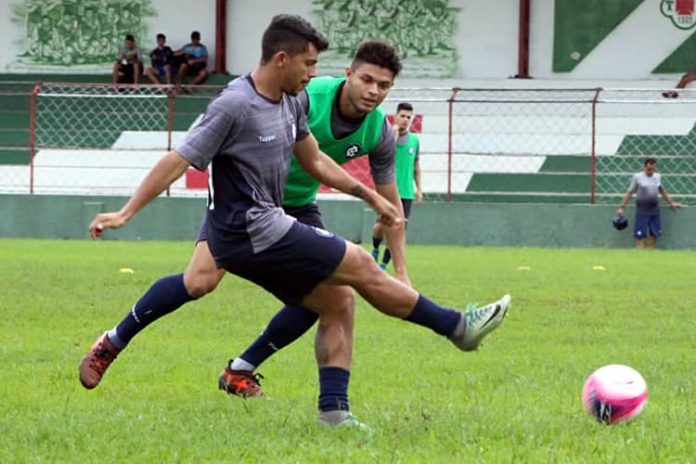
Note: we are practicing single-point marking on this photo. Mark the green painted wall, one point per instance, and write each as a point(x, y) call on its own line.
point(468, 224)
point(580, 25)
point(681, 60)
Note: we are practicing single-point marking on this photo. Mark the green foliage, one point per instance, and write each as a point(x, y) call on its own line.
point(77, 32)
point(516, 400)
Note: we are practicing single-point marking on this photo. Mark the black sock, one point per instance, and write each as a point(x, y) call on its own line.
point(333, 389)
point(163, 297)
point(289, 324)
point(431, 315)
point(386, 258)
point(376, 242)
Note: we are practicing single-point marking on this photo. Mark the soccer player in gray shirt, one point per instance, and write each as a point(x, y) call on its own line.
point(248, 134)
point(646, 185)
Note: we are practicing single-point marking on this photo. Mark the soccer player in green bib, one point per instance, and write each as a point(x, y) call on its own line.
point(407, 175)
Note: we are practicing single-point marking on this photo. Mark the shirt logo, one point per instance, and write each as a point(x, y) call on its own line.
point(353, 150)
point(266, 138)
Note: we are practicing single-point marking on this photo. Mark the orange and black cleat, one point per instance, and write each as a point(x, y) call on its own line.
point(97, 361)
point(244, 384)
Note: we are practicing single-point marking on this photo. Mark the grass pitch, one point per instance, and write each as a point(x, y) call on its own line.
point(516, 400)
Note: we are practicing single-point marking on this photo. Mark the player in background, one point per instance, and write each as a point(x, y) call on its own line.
point(647, 184)
point(408, 174)
point(249, 234)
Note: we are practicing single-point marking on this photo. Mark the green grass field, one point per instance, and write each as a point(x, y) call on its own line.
point(516, 400)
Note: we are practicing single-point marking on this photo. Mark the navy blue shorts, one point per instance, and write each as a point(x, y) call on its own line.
point(293, 266)
point(308, 214)
point(647, 224)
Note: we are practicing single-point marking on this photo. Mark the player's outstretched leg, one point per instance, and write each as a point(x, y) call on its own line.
point(394, 298)
point(163, 297)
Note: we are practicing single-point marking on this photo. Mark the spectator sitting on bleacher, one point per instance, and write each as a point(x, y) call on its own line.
point(683, 82)
point(129, 64)
point(162, 60)
point(194, 60)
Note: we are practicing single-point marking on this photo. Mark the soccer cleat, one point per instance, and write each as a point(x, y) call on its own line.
point(476, 323)
point(383, 266)
point(97, 360)
point(244, 384)
point(348, 421)
point(375, 254)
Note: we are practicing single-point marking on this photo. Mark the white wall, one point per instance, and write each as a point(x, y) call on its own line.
point(178, 18)
point(486, 38)
point(482, 27)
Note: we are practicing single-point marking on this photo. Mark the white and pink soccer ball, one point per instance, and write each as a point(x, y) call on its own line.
point(615, 393)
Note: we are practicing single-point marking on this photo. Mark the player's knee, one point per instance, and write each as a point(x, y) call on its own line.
point(344, 301)
point(200, 284)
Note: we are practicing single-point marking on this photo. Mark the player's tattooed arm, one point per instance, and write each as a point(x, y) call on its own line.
point(358, 191)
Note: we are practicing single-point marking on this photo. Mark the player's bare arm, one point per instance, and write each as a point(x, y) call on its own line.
point(417, 178)
point(323, 168)
point(396, 235)
point(168, 169)
point(624, 202)
point(672, 204)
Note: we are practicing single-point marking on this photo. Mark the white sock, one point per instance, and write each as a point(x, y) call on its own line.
point(241, 365)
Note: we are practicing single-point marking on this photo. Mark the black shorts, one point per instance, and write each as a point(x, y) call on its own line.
point(194, 69)
point(406, 205)
point(308, 214)
point(292, 267)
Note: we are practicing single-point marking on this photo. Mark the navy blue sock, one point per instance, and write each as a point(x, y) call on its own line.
point(387, 257)
point(163, 297)
point(429, 314)
point(289, 324)
point(333, 389)
point(376, 242)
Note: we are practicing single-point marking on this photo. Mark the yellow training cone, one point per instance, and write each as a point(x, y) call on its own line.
point(598, 268)
point(126, 270)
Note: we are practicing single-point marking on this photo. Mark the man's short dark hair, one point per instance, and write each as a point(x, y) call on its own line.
point(161, 36)
point(379, 53)
point(405, 106)
point(130, 37)
point(650, 160)
point(291, 34)
point(195, 35)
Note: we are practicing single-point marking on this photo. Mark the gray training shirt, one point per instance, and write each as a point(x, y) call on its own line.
point(248, 139)
point(646, 188)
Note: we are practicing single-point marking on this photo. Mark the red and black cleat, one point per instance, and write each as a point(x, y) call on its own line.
point(244, 384)
point(97, 361)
